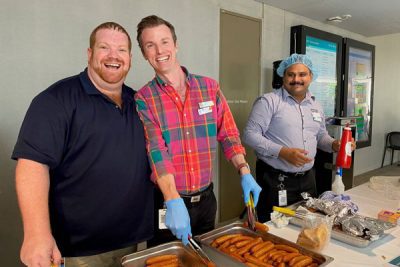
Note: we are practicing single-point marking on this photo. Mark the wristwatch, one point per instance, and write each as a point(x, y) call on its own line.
point(241, 165)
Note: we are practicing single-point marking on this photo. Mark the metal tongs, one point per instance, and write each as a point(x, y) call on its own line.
point(251, 213)
point(200, 252)
point(300, 214)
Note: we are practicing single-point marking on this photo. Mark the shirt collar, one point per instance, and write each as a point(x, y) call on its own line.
point(161, 82)
point(90, 88)
point(309, 96)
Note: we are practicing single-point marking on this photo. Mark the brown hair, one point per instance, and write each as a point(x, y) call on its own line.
point(108, 25)
point(150, 22)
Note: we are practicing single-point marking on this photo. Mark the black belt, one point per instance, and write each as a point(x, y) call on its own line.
point(272, 169)
point(196, 197)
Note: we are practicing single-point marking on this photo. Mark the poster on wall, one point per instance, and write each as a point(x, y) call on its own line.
point(323, 55)
point(325, 51)
point(359, 87)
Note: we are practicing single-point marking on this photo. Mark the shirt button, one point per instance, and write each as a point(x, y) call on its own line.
point(184, 114)
point(116, 106)
point(190, 151)
point(176, 98)
point(193, 186)
point(187, 133)
point(192, 169)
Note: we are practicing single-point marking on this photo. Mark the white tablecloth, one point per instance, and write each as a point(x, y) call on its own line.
point(378, 253)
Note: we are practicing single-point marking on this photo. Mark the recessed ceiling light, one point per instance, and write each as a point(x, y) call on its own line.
point(339, 18)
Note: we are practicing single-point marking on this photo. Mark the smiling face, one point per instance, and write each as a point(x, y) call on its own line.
point(159, 49)
point(109, 60)
point(296, 80)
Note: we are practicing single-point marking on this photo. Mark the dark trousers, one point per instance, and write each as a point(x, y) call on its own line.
point(202, 215)
point(294, 184)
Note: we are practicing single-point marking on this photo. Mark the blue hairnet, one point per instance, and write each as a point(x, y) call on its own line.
point(294, 59)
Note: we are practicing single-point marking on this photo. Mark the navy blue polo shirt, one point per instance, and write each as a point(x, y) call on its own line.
point(101, 196)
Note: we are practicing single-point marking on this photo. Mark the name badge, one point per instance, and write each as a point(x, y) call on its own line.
point(282, 197)
point(316, 116)
point(205, 110)
point(161, 219)
point(206, 104)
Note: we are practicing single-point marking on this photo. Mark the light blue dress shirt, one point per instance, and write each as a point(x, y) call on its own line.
point(278, 120)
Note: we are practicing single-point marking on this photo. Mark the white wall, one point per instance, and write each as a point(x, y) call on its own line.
point(43, 41)
point(386, 101)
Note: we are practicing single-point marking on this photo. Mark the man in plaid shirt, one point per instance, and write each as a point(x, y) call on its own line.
point(185, 116)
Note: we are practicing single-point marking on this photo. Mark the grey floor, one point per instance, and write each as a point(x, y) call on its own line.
point(389, 170)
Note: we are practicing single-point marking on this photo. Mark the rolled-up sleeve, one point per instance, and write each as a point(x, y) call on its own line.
point(256, 128)
point(159, 158)
point(228, 134)
point(323, 138)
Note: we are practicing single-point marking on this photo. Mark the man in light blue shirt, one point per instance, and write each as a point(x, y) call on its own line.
point(285, 128)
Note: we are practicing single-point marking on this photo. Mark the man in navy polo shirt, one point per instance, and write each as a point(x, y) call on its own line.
point(82, 176)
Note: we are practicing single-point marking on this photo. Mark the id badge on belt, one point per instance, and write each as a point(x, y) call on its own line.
point(282, 194)
point(161, 219)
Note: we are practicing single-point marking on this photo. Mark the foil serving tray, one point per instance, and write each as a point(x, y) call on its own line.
point(336, 234)
point(186, 256)
point(238, 228)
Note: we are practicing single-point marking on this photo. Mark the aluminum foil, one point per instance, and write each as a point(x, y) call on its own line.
point(332, 204)
point(365, 227)
point(345, 212)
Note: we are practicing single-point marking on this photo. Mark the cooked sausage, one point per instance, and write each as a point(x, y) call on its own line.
point(264, 250)
point(290, 256)
point(232, 248)
point(156, 259)
point(173, 262)
point(273, 253)
point(242, 243)
point(297, 259)
point(277, 255)
point(254, 260)
point(223, 238)
point(261, 227)
point(236, 256)
point(260, 246)
point(247, 247)
point(251, 264)
point(286, 248)
point(225, 244)
point(164, 265)
point(303, 262)
point(240, 238)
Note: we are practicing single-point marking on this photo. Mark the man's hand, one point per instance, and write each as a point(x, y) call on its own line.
point(295, 156)
point(177, 219)
point(250, 185)
point(336, 145)
point(40, 250)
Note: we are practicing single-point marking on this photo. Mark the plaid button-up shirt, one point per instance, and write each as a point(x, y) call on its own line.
point(182, 137)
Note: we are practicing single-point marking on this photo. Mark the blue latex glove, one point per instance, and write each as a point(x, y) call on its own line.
point(250, 185)
point(177, 219)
